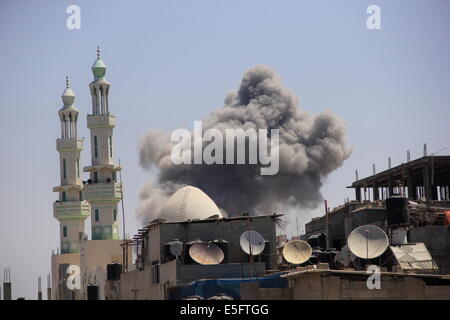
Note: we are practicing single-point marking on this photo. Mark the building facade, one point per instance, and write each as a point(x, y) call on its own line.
point(157, 271)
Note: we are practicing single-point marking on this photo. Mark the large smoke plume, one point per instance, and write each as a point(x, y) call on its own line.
point(311, 147)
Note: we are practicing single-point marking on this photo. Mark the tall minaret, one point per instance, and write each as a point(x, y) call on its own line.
point(103, 191)
point(70, 210)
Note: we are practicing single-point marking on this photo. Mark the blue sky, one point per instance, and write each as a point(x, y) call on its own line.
point(172, 62)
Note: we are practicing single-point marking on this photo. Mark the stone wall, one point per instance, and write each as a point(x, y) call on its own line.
point(321, 286)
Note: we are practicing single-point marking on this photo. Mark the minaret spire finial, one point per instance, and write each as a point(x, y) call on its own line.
point(67, 82)
point(98, 53)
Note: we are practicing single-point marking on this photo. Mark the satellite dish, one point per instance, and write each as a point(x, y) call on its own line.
point(176, 248)
point(221, 296)
point(206, 253)
point(345, 257)
point(252, 243)
point(297, 251)
point(368, 242)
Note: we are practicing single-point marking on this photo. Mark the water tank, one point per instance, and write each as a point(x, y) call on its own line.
point(327, 256)
point(113, 271)
point(313, 241)
point(397, 211)
point(314, 259)
point(92, 292)
point(399, 236)
point(317, 241)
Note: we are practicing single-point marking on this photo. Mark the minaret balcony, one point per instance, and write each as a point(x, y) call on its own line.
point(101, 121)
point(109, 191)
point(68, 187)
point(69, 144)
point(71, 210)
point(98, 167)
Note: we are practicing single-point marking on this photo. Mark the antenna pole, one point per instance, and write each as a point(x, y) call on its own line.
point(367, 244)
point(39, 289)
point(250, 248)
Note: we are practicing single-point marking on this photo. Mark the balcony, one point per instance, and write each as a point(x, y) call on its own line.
point(102, 191)
point(101, 121)
point(69, 144)
point(71, 210)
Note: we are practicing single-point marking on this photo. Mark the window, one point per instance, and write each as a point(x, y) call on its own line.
point(63, 197)
point(97, 215)
point(81, 196)
point(64, 169)
point(95, 147)
point(114, 176)
point(78, 167)
point(64, 231)
point(115, 215)
point(110, 146)
point(155, 272)
point(95, 177)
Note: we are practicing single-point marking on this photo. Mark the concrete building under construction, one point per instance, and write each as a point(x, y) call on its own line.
point(424, 181)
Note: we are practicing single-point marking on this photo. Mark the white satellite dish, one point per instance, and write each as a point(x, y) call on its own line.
point(345, 257)
point(176, 248)
point(206, 253)
point(297, 251)
point(368, 242)
point(252, 243)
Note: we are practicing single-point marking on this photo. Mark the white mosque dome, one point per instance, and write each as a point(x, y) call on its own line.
point(189, 203)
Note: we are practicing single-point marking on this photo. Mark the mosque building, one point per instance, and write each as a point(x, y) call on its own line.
point(97, 197)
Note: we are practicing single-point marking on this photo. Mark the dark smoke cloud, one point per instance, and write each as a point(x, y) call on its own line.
point(311, 147)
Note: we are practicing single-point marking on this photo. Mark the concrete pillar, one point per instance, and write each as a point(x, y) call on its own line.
point(390, 186)
point(97, 104)
point(434, 193)
point(409, 184)
point(358, 194)
point(426, 181)
point(7, 291)
point(93, 104)
point(376, 195)
point(107, 102)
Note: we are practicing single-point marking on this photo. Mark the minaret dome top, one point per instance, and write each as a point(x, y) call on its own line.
point(68, 95)
point(99, 67)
